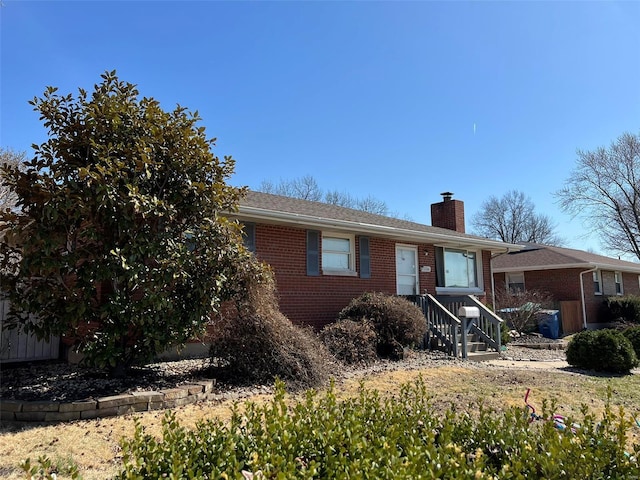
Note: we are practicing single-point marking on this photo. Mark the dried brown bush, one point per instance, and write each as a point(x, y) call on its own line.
point(397, 322)
point(350, 342)
point(521, 309)
point(255, 342)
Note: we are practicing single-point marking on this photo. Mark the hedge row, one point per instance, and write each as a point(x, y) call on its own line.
point(370, 436)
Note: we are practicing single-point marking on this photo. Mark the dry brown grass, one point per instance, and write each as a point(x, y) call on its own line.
point(93, 444)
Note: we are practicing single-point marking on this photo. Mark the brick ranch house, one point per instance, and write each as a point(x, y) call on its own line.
point(324, 255)
point(579, 281)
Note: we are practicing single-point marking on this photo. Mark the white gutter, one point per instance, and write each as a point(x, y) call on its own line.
point(598, 266)
point(584, 307)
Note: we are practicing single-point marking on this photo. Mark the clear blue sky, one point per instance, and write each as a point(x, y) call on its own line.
point(398, 100)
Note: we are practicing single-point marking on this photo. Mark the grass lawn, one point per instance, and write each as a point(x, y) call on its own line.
point(94, 444)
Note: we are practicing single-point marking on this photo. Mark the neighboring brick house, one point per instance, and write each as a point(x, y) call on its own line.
point(324, 255)
point(579, 281)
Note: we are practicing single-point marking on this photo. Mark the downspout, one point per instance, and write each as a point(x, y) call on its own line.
point(584, 307)
point(493, 283)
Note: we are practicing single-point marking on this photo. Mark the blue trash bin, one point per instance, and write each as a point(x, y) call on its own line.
point(549, 323)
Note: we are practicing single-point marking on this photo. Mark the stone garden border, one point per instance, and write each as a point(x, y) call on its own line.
point(16, 411)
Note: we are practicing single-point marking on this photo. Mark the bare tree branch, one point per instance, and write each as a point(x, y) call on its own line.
point(307, 188)
point(604, 189)
point(512, 219)
point(9, 160)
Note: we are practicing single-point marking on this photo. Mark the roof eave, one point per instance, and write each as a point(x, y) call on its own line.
point(585, 266)
point(288, 218)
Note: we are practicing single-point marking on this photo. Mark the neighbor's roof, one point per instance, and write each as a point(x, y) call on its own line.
point(277, 209)
point(545, 257)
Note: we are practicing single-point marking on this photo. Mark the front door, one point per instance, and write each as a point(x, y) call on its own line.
point(407, 270)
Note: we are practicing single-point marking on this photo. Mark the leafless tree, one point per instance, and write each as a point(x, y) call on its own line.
point(512, 218)
point(305, 188)
point(522, 308)
point(604, 189)
point(9, 159)
point(342, 199)
point(372, 205)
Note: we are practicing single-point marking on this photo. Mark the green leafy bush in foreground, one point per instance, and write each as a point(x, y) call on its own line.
point(371, 436)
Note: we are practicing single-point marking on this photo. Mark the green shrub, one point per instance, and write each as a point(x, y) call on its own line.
point(504, 334)
point(397, 322)
point(605, 350)
point(633, 334)
point(370, 436)
point(350, 342)
point(621, 309)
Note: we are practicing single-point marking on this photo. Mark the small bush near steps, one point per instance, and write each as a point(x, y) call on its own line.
point(350, 342)
point(398, 323)
point(604, 350)
point(371, 436)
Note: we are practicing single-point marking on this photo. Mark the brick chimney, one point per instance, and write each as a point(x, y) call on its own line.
point(448, 213)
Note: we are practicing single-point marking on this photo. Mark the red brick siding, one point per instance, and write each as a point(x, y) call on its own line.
point(631, 283)
point(486, 277)
point(448, 214)
point(317, 300)
point(565, 285)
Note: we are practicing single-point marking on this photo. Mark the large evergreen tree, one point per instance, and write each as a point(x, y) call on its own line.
point(119, 240)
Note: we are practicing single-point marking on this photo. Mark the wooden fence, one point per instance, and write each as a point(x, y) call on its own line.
point(19, 347)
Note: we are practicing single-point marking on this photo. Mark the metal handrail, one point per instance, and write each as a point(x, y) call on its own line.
point(445, 327)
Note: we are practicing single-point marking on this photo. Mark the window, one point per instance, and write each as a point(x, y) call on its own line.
point(456, 268)
point(249, 236)
point(337, 254)
point(597, 283)
point(515, 282)
point(618, 279)
point(365, 258)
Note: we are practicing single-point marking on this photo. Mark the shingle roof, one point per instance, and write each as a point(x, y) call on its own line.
point(545, 257)
point(296, 211)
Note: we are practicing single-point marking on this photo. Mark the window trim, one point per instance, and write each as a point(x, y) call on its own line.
point(597, 279)
point(478, 289)
point(509, 282)
point(617, 275)
point(345, 272)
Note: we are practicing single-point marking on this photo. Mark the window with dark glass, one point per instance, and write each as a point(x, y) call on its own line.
point(456, 268)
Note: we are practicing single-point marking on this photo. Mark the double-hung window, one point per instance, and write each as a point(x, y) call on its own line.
point(597, 282)
point(515, 282)
point(338, 254)
point(457, 269)
point(618, 279)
